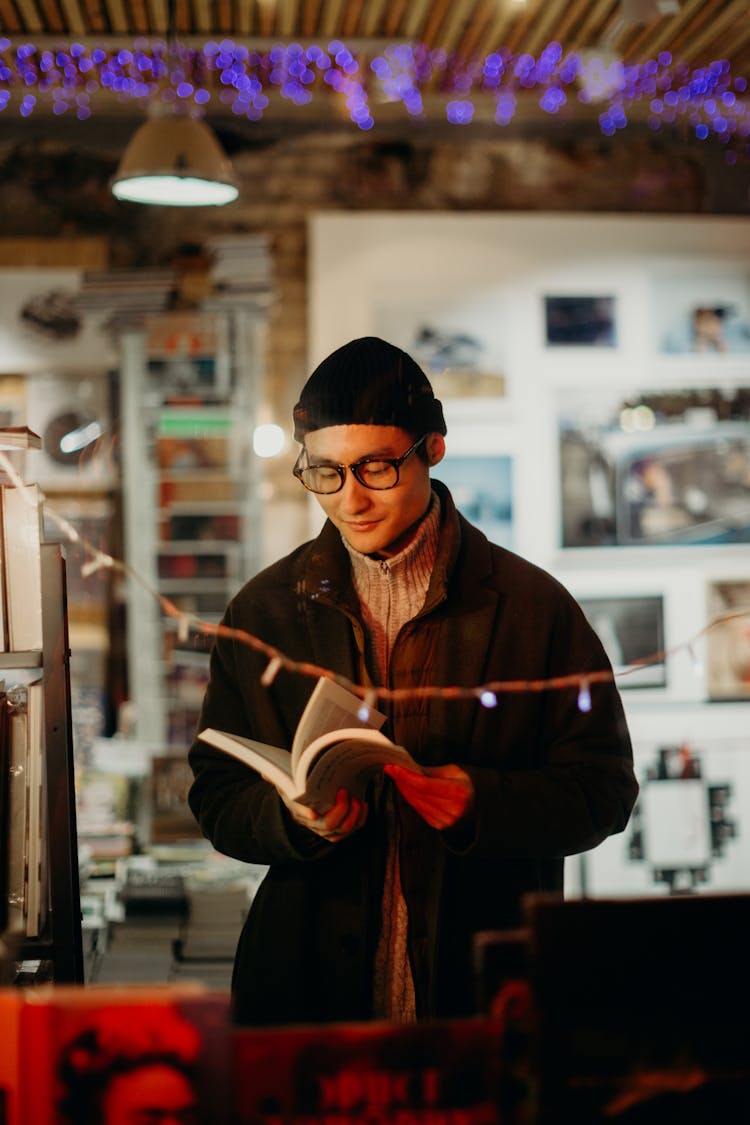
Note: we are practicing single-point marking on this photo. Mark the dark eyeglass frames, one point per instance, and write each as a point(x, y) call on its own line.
point(379, 473)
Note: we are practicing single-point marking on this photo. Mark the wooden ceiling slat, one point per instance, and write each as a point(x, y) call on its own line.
point(96, 18)
point(653, 38)
point(415, 19)
point(244, 18)
point(468, 44)
point(705, 12)
point(352, 16)
point(202, 17)
point(74, 18)
point(287, 19)
point(183, 18)
point(29, 16)
point(432, 31)
point(52, 16)
point(695, 50)
point(139, 21)
point(9, 19)
point(527, 16)
point(222, 18)
point(372, 17)
point(330, 18)
point(394, 17)
point(498, 29)
point(586, 34)
point(545, 26)
point(309, 18)
point(458, 19)
point(158, 18)
point(266, 14)
point(571, 16)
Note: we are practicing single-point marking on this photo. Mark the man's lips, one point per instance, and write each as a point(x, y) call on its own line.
point(361, 525)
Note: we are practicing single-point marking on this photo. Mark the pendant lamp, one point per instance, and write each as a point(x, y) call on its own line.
point(175, 160)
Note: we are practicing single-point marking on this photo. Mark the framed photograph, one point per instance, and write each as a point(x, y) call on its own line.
point(631, 628)
point(459, 342)
point(703, 311)
point(580, 322)
point(728, 640)
point(482, 489)
point(688, 832)
point(655, 467)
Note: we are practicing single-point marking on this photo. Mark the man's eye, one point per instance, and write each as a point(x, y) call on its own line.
point(325, 472)
point(375, 468)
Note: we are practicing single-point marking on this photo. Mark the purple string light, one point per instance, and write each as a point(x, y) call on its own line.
point(709, 97)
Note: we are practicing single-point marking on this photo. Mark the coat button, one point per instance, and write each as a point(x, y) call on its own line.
point(349, 945)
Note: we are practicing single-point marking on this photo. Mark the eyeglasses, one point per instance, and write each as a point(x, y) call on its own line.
point(373, 472)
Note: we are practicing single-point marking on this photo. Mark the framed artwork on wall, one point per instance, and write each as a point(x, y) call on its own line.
point(631, 628)
point(688, 832)
point(580, 321)
point(655, 467)
point(482, 488)
point(728, 640)
point(459, 342)
point(702, 311)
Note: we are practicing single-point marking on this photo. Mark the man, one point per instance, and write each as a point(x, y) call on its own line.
point(369, 909)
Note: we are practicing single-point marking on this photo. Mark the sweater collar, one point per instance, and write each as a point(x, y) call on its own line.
point(327, 574)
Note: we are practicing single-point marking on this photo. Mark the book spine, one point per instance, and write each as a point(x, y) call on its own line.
point(22, 537)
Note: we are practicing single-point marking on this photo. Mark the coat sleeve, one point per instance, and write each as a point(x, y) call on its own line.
point(237, 810)
point(555, 780)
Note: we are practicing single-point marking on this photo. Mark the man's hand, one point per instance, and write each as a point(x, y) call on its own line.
point(443, 796)
point(345, 816)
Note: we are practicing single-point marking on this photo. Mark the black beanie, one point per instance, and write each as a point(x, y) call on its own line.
point(368, 382)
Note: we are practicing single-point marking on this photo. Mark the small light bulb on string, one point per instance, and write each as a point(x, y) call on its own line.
point(488, 699)
point(183, 628)
point(368, 705)
point(100, 561)
point(271, 672)
point(584, 696)
point(697, 662)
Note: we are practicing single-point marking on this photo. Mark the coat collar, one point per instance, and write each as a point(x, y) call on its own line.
point(327, 569)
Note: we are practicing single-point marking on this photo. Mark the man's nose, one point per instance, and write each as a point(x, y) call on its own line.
point(354, 495)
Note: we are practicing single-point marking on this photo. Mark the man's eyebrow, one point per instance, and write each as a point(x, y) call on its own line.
point(386, 454)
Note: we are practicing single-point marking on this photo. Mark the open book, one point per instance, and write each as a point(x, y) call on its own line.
point(337, 745)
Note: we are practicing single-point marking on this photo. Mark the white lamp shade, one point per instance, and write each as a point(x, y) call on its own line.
point(175, 160)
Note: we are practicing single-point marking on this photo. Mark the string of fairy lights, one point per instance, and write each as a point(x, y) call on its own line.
point(488, 694)
point(709, 99)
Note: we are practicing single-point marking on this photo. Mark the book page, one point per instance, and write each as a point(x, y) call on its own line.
point(348, 763)
point(271, 762)
point(330, 707)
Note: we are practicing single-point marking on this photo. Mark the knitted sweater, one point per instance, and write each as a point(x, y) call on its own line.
point(391, 592)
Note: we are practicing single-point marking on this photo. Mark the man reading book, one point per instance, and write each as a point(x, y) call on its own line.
point(369, 907)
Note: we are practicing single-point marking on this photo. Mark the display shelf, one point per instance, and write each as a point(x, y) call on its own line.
point(9, 661)
point(192, 506)
point(46, 929)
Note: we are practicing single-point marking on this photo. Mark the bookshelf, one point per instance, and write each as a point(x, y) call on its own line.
point(41, 917)
point(190, 385)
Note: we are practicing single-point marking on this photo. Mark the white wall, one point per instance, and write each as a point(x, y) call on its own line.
point(379, 273)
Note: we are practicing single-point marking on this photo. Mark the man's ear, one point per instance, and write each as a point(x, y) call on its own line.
point(435, 449)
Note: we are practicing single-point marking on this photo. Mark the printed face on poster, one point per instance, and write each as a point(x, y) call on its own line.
point(703, 311)
point(655, 467)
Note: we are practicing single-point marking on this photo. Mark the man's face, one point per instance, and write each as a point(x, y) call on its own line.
point(375, 522)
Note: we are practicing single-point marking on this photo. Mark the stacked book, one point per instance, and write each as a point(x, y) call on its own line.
point(241, 267)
